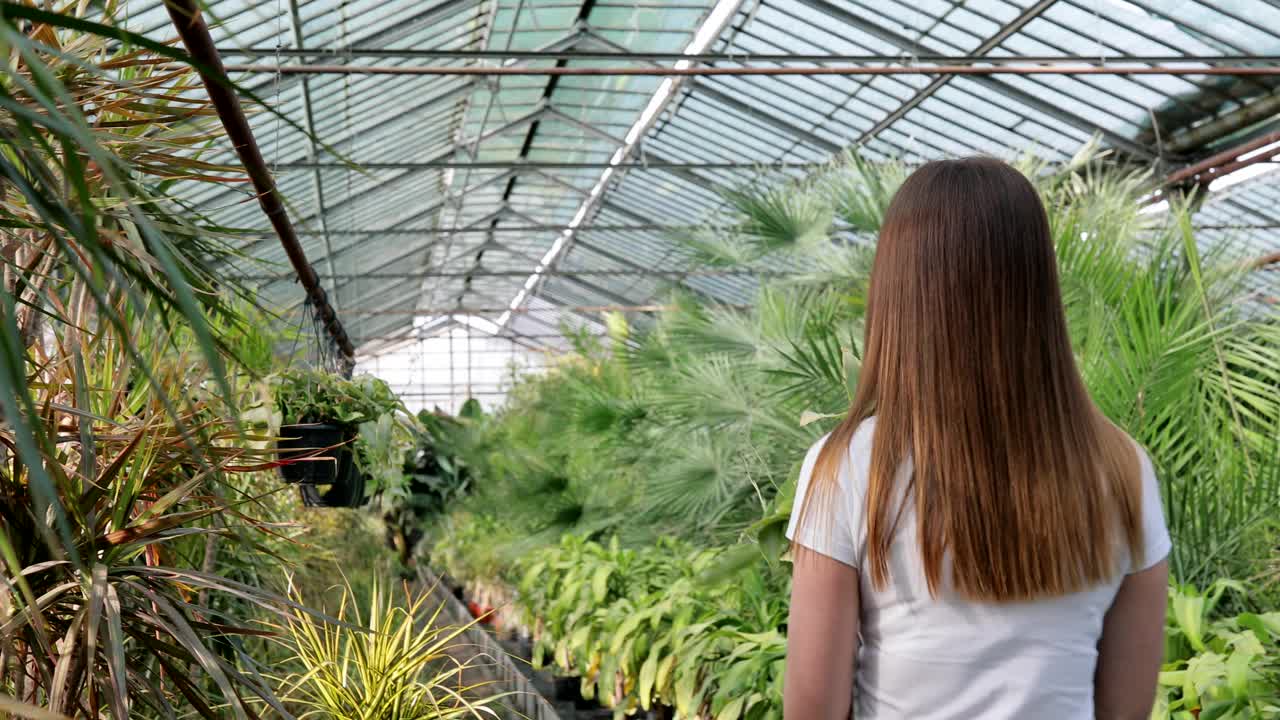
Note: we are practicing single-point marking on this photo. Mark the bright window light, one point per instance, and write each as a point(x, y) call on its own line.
point(478, 323)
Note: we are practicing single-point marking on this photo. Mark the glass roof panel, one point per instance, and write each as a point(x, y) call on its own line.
point(487, 173)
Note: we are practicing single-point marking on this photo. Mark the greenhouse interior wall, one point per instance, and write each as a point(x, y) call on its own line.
point(444, 371)
point(430, 359)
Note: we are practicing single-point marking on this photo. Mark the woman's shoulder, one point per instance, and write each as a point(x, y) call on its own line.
point(856, 456)
point(859, 441)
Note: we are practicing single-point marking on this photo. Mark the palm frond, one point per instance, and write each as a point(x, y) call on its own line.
point(861, 190)
point(778, 217)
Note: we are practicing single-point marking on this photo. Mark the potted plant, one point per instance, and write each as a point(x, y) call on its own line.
point(320, 417)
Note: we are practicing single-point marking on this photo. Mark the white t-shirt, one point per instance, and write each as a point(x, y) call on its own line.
point(925, 658)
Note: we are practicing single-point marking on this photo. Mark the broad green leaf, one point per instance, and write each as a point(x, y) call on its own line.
point(600, 583)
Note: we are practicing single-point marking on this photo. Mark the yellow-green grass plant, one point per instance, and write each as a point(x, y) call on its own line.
point(398, 661)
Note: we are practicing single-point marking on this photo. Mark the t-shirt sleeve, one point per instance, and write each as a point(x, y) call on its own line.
point(828, 530)
point(1156, 541)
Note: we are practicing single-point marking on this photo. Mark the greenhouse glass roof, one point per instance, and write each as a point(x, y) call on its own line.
point(518, 199)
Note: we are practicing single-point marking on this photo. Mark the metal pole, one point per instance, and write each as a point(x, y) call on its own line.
point(525, 273)
point(556, 309)
point(662, 71)
point(394, 231)
point(195, 36)
point(618, 55)
point(537, 165)
point(1224, 159)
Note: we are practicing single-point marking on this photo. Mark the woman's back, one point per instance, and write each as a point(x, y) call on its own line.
point(974, 517)
point(924, 657)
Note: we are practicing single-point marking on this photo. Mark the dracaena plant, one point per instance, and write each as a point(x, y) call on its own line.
point(113, 618)
point(120, 457)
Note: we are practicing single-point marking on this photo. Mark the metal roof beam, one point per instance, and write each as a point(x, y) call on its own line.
point(425, 210)
point(910, 46)
point(648, 57)
point(430, 15)
point(991, 43)
point(654, 165)
point(700, 87)
point(542, 227)
point(544, 104)
point(464, 87)
point(442, 155)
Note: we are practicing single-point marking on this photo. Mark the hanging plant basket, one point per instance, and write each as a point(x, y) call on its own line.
point(315, 453)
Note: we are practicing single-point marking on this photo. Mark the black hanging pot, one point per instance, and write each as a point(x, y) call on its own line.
point(321, 453)
point(347, 492)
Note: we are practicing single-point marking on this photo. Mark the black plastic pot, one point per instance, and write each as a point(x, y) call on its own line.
point(334, 481)
point(298, 441)
point(348, 492)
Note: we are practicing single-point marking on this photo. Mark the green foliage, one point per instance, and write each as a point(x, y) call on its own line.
point(1226, 668)
point(861, 190)
point(654, 625)
point(397, 662)
point(363, 403)
point(693, 425)
point(437, 477)
point(140, 597)
point(311, 396)
point(437, 471)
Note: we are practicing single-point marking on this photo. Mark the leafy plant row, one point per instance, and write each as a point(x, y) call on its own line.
point(703, 632)
point(659, 625)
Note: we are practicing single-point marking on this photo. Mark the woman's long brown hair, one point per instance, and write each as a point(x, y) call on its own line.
point(969, 372)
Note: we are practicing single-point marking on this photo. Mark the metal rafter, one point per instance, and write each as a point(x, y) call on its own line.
point(535, 117)
point(672, 88)
point(654, 165)
point(907, 45)
point(219, 193)
point(749, 70)
point(991, 43)
point(584, 12)
point(632, 56)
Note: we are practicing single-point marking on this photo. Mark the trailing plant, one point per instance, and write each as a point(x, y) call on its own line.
point(364, 406)
point(314, 396)
point(398, 661)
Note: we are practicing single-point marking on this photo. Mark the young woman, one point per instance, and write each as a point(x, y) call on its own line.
point(975, 540)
